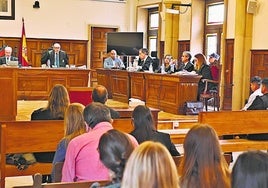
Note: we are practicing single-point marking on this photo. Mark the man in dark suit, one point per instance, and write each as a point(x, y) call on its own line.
point(56, 57)
point(186, 63)
point(8, 56)
point(100, 94)
point(145, 60)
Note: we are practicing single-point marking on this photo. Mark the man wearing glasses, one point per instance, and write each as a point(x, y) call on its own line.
point(56, 57)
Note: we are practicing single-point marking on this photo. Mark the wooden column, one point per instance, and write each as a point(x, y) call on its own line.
point(8, 94)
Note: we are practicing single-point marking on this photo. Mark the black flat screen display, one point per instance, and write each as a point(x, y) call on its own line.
point(125, 43)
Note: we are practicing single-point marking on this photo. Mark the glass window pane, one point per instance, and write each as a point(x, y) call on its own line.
point(211, 43)
point(215, 13)
point(154, 20)
point(152, 44)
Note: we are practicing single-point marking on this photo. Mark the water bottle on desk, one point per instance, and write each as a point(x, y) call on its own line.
point(172, 68)
point(48, 63)
point(163, 68)
point(151, 68)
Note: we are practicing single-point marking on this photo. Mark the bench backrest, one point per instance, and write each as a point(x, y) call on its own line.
point(123, 125)
point(30, 136)
point(236, 122)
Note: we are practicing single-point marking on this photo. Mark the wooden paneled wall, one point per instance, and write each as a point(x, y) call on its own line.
point(76, 49)
point(183, 45)
point(259, 63)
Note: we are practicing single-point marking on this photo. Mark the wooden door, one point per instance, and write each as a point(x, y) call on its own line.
point(98, 50)
point(228, 75)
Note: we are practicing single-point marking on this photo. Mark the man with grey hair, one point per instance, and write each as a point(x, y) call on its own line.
point(8, 56)
point(186, 64)
point(55, 57)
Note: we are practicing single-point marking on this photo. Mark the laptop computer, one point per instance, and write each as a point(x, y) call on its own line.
point(13, 63)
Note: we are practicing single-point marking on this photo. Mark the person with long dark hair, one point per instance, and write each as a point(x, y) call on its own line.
point(203, 164)
point(144, 129)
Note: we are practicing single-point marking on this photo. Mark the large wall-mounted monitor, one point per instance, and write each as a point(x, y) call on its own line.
point(125, 43)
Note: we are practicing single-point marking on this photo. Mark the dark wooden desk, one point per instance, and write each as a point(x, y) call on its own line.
point(36, 83)
point(162, 91)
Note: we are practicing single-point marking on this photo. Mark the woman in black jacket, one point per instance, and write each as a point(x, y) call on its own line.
point(144, 129)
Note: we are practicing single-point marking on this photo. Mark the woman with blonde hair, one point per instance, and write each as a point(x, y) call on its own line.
point(203, 164)
point(203, 69)
point(150, 165)
point(74, 126)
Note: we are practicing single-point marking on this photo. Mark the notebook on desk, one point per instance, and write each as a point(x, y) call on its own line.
point(13, 63)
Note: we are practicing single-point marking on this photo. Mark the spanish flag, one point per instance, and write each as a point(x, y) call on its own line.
point(23, 48)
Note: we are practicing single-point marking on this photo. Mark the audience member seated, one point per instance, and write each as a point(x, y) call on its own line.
point(82, 160)
point(150, 165)
point(100, 94)
point(113, 62)
point(144, 129)
point(74, 126)
point(186, 64)
point(260, 103)
point(202, 69)
point(203, 164)
point(145, 60)
point(250, 170)
point(255, 87)
point(115, 148)
point(214, 65)
point(58, 101)
point(55, 57)
point(8, 56)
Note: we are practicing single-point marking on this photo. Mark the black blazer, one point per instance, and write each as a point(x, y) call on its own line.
point(43, 114)
point(145, 65)
point(260, 103)
point(3, 59)
point(189, 67)
point(50, 55)
point(206, 74)
point(114, 114)
point(163, 138)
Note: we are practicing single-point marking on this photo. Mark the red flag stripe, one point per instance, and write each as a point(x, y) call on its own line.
point(23, 48)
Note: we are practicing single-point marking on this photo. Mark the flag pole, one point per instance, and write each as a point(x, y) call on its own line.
point(23, 47)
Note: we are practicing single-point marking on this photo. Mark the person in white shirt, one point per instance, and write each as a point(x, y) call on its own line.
point(8, 56)
point(255, 86)
point(113, 62)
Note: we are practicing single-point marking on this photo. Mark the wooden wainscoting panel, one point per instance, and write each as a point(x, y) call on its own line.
point(259, 63)
point(76, 49)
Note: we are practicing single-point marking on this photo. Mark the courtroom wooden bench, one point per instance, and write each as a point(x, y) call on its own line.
point(85, 184)
point(238, 123)
point(28, 137)
point(233, 123)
